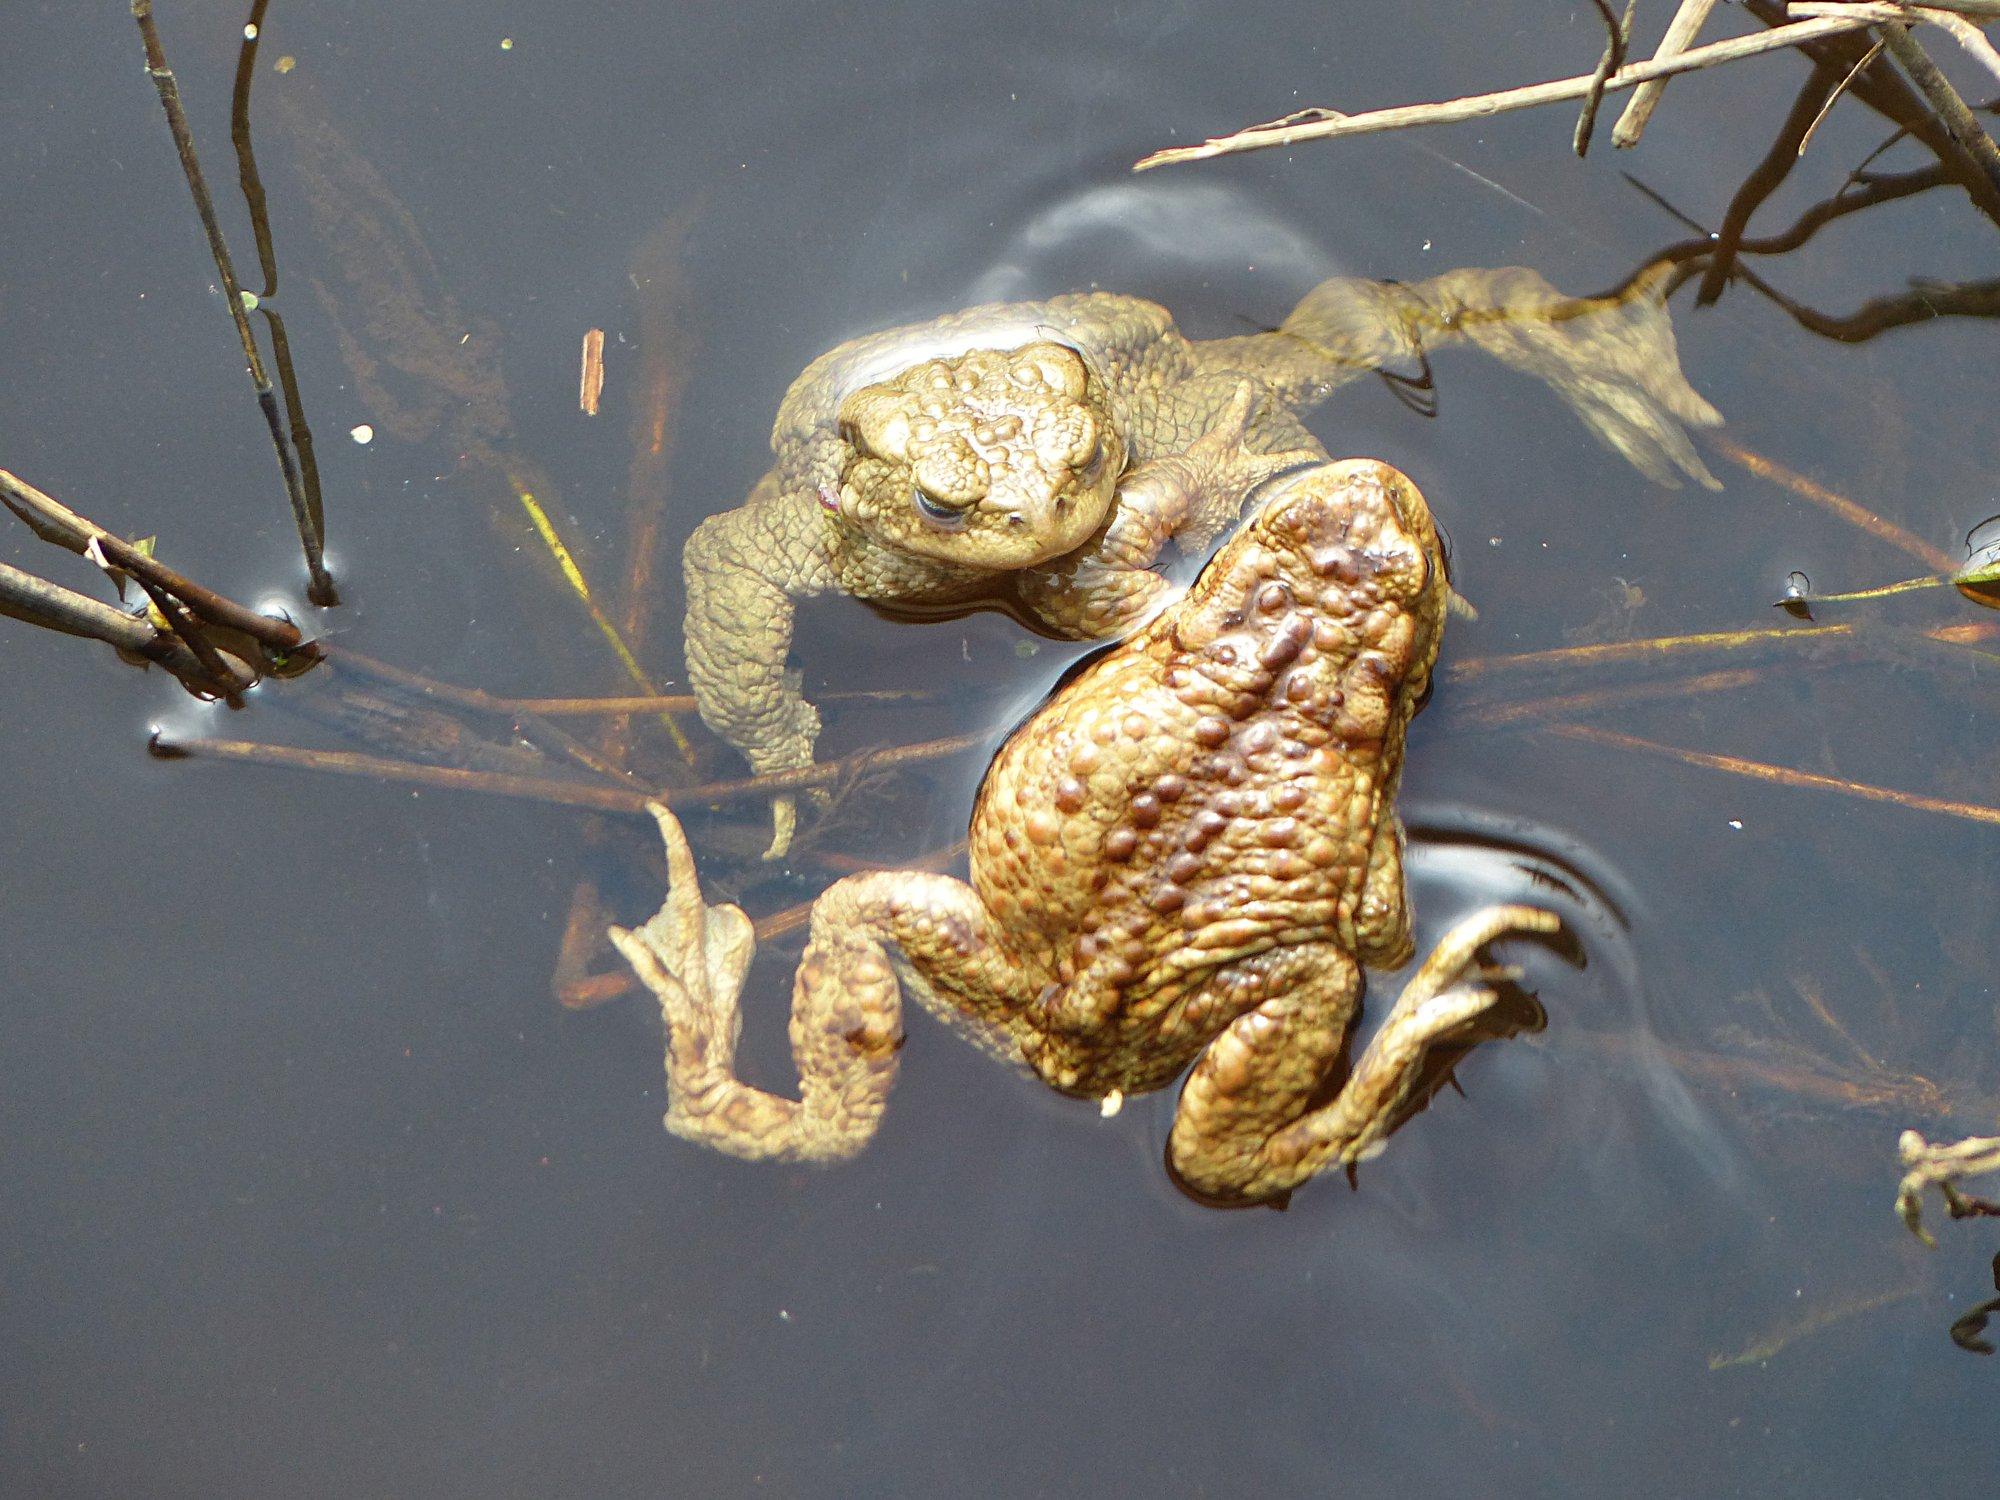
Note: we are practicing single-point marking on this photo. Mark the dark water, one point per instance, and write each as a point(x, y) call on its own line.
point(310, 1187)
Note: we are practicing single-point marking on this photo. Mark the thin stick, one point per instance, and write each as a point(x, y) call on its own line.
point(55, 522)
point(1883, 89)
point(220, 678)
point(1856, 515)
point(1860, 64)
point(1326, 124)
point(1758, 771)
point(1945, 99)
point(563, 793)
point(1612, 60)
point(479, 698)
point(1970, 37)
point(1665, 650)
point(1680, 31)
point(320, 588)
point(1572, 705)
point(39, 602)
point(1990, 9)
point(383, 768)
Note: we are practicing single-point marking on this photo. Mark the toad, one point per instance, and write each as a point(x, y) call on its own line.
point(1187, 855)
point(1001, 454)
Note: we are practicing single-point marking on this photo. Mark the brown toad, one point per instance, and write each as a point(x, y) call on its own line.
point(1186, 855)
point(986, 453)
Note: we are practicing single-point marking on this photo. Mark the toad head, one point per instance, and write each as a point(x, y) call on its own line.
point(992, 459)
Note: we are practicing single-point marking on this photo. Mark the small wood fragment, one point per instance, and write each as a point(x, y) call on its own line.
point(592, 385)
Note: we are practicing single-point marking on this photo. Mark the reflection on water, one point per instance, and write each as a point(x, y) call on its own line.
point(338, 1201)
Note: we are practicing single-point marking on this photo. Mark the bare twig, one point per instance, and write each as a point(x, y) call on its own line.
point(1886, 91)
point(383, 768)
point(1620, 32)
point(1945, 99)
point(53, 521)
point(1969, 37)
point(217, 676)
point(39, 602)
point(1860, 66)
point(564, 793)
point(1681, 31)
point(1327, 124)
point(1564, 662)
point(1499, 714)
point(320, 590)
point(350, 660)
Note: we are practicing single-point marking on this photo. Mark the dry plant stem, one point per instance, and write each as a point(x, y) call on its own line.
point(216, 675)
point(39, 602)
point(1664, 650)
point(320, 588)
point(548, 789)
point(1330, 124)
point(1888, 93)
point(1968, 36)
point(53, 521)
point(466, 697)
point(1759, 771)
point(382, 768)
point(1861, 64)
point(1620, 31)
point(1646, 98)
point(597, 707)
point(1931, 557)
point(1945, 99)
point(1571, 705)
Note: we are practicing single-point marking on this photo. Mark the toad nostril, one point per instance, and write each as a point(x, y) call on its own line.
point(1016, 521)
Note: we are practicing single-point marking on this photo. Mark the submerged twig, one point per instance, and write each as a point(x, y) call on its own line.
point(1666, 650)
point(1783, 776)
point(1934, 558)
point(538, 516)
point(348, 659)
point(320, 588)
point(1327, 124)
point(1810, 1321)
point(550, 789)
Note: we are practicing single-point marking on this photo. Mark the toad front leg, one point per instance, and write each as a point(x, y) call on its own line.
point(1108, 588)
point(743, 569)
point(846, 1026)
point(1243, 1130)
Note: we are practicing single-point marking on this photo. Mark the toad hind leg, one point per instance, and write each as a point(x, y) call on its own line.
point(1243, 1130)
point(846, 1025)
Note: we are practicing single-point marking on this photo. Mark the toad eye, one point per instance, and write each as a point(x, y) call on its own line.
point(934, 510)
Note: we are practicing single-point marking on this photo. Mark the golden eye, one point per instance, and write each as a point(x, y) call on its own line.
point(934, 510)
